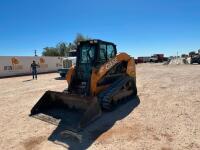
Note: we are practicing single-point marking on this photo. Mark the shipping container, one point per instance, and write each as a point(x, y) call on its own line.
point(20, 65)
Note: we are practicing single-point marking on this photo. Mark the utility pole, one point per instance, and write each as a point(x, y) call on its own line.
point(35, 52)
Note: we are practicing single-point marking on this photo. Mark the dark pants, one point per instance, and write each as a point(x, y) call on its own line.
point(34, 73)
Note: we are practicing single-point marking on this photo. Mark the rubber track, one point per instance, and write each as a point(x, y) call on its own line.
point(106, 95)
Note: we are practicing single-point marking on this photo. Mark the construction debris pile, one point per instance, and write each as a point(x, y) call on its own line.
point(178, 61)
point(192, 58)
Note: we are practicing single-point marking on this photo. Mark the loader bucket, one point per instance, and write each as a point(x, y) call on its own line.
point(74, 112)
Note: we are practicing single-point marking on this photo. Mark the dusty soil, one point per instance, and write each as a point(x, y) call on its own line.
point(167, 117)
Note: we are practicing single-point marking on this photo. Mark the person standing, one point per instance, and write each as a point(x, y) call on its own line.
point(34, 69)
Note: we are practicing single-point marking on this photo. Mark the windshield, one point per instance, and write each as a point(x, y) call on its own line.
point(67, 63)
point(87, 53)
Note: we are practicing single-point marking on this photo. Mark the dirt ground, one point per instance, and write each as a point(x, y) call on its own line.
point(166, 116)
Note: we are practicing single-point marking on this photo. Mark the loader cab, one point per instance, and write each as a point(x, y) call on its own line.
point(95, 52)
point(92, 54)
point(106, 51)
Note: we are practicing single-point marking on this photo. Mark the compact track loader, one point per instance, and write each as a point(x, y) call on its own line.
point(100, 79)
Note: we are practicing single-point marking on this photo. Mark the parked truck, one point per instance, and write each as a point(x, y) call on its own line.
point(67, 63)
point(143, 59)
point(157, 58)
point(195, 59)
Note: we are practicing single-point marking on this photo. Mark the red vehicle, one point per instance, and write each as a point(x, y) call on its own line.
point(143, 59)
point(136, 61)
point(157, 58)
point(139, 60)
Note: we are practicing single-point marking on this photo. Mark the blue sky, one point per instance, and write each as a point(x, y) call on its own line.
point(138, 27)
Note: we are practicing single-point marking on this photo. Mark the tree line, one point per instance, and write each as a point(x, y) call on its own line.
point(63, 48)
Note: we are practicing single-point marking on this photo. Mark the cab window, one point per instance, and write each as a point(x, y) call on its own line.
point(110, 51)
point(102, 52)
point(87, 53)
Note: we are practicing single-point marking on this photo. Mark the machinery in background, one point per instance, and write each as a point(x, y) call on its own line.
point(194, 57)
point(156, 58)
point(143, 59)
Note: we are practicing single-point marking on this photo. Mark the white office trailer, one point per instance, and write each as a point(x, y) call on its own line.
point(20, 65)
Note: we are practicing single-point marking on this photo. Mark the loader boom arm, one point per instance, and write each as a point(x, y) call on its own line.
point(119, 58)
point(98, 74)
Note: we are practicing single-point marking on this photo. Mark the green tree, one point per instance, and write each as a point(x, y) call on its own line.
point(50, 51)
point(63, 48)
point(79, 37)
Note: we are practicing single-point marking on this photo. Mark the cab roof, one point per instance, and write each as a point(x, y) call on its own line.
point(96, 41)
